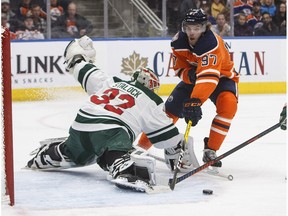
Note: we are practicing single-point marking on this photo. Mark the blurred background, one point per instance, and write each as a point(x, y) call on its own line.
point(48, 19)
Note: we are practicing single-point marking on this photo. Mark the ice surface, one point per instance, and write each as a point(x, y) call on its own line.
point(259, 169)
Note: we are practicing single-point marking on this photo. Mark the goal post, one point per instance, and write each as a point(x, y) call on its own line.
point(7, 166)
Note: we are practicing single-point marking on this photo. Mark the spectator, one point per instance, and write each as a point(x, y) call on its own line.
point(241, 28)
point(269, 28)
point(25, 9)
point(56, 10)
point(71, 25)
point(64, 4)
point(268, 6)
point(5, 9)
point(206, 7)
point(5, 24)
point(277, 2)
point(217, 7)
point(4, 21)
point(243, 6)
point(10, 20)
point(28, 31)
point(280, 18)
point(38, 19)
point(226, 11)
point(255, 17)
point(222, 28)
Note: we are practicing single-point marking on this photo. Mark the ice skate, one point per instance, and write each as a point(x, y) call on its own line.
point(209, 154)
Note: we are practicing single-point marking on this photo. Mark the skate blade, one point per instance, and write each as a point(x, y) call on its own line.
point(140, 186)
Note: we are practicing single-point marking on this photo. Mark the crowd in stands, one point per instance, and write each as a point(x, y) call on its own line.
point(251, 17)
point(260, 18)
point(28, 19)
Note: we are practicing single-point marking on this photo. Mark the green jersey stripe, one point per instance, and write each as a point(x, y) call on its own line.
point(164, 136)
point(104, 119)
point(162, 129)
point(83, 73)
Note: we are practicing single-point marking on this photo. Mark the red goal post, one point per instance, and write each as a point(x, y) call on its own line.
point(7, 166)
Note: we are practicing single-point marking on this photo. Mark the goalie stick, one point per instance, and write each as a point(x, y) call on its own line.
point(172, 182)
point(204, 166)
point(210, 171)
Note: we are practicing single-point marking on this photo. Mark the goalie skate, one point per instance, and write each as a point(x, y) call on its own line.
point(128, 182)
point(48, 141)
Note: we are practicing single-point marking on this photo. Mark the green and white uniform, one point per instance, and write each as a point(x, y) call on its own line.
point(115, 114)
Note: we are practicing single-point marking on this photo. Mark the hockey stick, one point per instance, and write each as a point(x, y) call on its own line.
point(207, 171)
point(172, 182)
point(204, 166)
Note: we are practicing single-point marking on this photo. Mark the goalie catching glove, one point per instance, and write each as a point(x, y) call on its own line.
point(189, 159)
point(79, 50)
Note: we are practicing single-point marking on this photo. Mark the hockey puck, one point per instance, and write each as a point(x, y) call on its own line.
point(207, 192)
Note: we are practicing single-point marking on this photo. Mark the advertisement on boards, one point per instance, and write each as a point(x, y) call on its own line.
point(41, 64)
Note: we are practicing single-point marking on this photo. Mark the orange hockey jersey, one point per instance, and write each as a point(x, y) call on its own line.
point(211, 58)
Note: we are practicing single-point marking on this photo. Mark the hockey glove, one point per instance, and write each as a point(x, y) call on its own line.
point(283, 118)
point(192, 110)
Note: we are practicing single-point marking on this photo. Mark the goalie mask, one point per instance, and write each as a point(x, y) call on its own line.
point(146, 77)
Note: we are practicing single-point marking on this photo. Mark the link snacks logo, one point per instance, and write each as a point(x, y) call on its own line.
point(132, 63)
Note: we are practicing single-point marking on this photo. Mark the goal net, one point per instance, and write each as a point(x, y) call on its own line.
point(7, 169)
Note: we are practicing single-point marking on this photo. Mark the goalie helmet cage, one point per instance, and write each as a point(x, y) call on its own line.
point(7, 167)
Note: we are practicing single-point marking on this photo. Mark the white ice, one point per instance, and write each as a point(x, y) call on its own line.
point(259, 169)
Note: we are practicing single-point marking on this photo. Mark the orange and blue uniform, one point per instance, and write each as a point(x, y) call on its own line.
point(206, 72)
point(215, 79)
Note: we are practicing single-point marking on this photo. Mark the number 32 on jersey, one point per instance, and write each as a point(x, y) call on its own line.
point(120, 100)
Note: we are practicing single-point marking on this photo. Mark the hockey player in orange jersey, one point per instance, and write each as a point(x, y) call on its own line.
point(203, 64)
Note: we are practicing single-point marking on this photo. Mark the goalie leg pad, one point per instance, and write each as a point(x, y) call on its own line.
point(189, 159)
point(144, 166)
point(50, 156)
point(139, 167)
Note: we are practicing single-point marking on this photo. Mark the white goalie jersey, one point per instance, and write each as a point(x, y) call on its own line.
point(115, 103)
